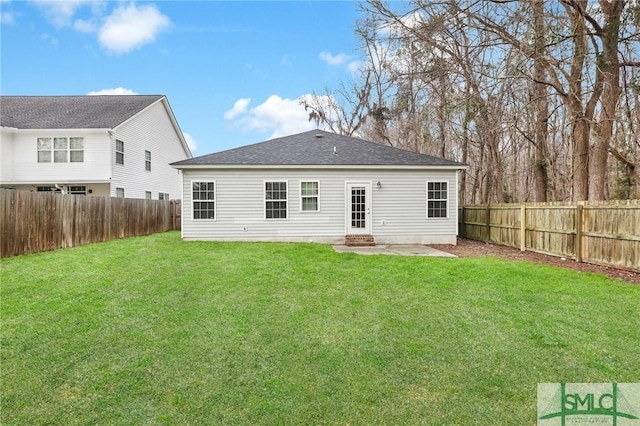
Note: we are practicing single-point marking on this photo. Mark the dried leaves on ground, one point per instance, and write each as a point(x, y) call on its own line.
point(471, 248)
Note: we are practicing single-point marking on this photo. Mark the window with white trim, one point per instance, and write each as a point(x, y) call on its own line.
point(61, 149)
point(120, 192)
point(48, 189)
point(163, 196)
point(78, 190)
point(147, 195)
point(44, 150)
point(147, 161)
point(309, 196)
point(204, 200)
point(275, 197)
point(437, 199)
point(119, 152)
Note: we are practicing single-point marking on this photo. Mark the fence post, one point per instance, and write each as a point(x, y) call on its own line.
point(174, 218)
point(523, 228)
point(488, 223)
point(578, 242)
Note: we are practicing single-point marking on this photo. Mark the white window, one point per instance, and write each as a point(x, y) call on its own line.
point(204, 200)
point(48, 189)
point(163, 196)
point(437, 199)
point(147, 160)
point(119, 152)
point(76, 150)
point(120, 192)
point(310, 196)
point(61, 150)
point(78, 190)
point(147, 195)
point(275, 197)
point(44, 150)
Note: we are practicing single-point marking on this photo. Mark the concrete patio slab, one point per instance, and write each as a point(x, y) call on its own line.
point(394, 249)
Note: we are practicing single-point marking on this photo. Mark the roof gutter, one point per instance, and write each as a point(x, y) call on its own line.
point(67, 131)
point(317, 166)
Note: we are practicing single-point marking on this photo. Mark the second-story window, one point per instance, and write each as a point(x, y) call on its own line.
point(61, 149)
point(147, 160)
point(119, 152)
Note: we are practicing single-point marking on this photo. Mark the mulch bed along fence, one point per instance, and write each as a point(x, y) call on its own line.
point(31, 222)
point(605, 233)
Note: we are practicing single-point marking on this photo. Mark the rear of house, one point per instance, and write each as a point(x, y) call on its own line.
point(321, 187)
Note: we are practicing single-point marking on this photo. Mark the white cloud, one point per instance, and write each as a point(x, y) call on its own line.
point(279, 116)
point(127, 28)
point(341, 59)
point(60, 13)
point(114, 91)
point(354, 67)
point(239, 108)
point(49, 39)
point(85, 25)
point(334, 60)
point(7, 18)
point(191, 143)
point(130, 27)
point(286, 61)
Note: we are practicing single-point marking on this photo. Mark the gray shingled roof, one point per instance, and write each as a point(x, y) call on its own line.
point(71, 112)
point(316, 147)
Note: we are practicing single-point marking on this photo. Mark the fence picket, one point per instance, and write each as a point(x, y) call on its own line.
point(606, 233)
point(32, 222)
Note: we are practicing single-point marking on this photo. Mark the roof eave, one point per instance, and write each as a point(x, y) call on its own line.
point(174, 122)
point(320, 166)
point(54, 181)
point(63, 130)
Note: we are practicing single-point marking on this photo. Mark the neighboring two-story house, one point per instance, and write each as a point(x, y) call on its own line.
point(118, 146)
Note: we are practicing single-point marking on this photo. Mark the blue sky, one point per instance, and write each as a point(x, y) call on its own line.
point(233, 71)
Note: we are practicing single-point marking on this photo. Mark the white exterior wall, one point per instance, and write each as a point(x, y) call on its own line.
point(398, 208)
point(6, 155)
point(151, 130)
point(20, 158)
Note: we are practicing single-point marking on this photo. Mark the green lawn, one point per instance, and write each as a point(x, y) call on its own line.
point(153, 330)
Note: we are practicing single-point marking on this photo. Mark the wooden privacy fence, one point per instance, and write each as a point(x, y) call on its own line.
point(606, 233)
point(32, 222)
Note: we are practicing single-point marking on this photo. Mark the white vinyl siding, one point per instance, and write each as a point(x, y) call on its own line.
point(398, 208)
point(28, 162)
point(153, 131)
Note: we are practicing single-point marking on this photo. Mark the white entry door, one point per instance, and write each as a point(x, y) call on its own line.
point(358, 208)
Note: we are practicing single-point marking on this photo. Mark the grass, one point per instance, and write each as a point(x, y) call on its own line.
point(152, 330)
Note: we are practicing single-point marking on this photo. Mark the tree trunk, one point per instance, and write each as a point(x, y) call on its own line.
point(541, 169)
point(608, 70)
point(580, 126)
